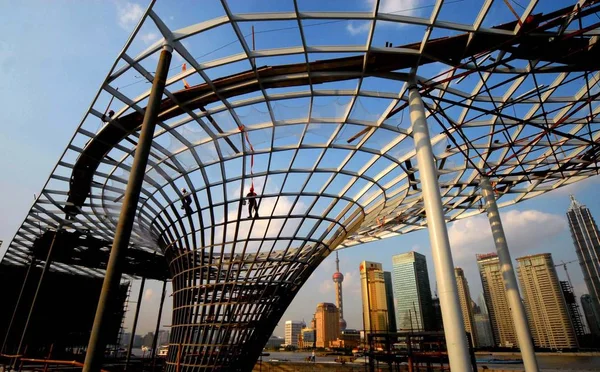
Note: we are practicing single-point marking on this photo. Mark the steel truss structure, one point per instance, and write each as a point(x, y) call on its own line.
point(319, 129)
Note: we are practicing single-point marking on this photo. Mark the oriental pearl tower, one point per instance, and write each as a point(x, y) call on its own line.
point(338, 278)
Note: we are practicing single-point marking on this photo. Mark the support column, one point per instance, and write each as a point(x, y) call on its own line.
point(456, 340)
point(517, 310)
point(138, 306)
point(47, 265)
point(97, 343)
point(12, 319)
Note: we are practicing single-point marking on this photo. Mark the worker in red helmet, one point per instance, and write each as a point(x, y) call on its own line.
point(252, 203)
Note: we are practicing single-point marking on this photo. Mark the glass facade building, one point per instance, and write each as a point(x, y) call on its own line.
point(586, 239)
point(389, 293)
point(374, 297)
point(414, 309)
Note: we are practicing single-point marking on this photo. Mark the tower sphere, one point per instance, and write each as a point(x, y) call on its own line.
point(338, 277)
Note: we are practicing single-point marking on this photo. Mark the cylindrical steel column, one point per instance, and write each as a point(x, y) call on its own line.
point(97, 344)
point(517, 309)
point(138, 306)
point(456, 340)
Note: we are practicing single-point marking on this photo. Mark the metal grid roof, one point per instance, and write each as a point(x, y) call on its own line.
point(314, 116)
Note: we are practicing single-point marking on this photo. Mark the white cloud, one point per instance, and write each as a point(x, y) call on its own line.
point(149, 37)
point(128, 14)
point(524, 230)
point(326, 286)
point(355, 28)
point(351, 284)
point(402, 7)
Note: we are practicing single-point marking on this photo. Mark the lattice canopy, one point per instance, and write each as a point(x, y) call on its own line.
point(314, 117)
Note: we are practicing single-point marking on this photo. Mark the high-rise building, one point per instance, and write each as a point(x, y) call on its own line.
point(494, 293)
point(438, 322)
point(292, 331)
point(389, 293)
point(308, 338)
point(374, 299)
point(338, 278)
point(589, 314)
point(545, 305)
point(414, 309)
point(327, 318)
point(483, 328)
point(573, 308)
point(586, 238)
point(466, 304)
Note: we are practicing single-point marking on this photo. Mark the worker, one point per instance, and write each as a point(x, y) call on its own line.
point(107, 118)
point(186, 201)
point(252, 203)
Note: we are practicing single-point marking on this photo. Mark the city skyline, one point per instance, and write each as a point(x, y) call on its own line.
point(24, 178)
point(315, 192)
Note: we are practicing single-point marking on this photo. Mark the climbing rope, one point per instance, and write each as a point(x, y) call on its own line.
point(243, 130)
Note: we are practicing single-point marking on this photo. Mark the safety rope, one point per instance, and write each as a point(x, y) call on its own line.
point(242, 129)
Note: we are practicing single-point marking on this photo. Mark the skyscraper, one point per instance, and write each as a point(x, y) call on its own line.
point(466, 304)
point(573, 308)
point(482, 323)
point(389, 294)
point(545, 305)
point(494, 293)
point(414, 309)
point(586, 239)
point(374, 299)
point(338, 278)
point(589, 314)
point(327, 318)
point(292, 331)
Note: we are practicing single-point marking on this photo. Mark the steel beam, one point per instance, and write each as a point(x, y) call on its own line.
point(97, 343)
point(456, 340)
point(517, 310)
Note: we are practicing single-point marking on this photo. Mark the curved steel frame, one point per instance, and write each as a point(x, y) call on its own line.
point(327, 146)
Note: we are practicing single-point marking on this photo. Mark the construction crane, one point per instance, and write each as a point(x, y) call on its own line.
point(571, 300)
point(564, 265)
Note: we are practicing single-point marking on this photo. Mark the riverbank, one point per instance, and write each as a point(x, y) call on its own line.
point(517, 354)
point(548, 362)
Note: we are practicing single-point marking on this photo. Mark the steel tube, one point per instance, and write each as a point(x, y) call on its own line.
point(456, 340)
point(97, 343)
point(517, 310)
point(138, 306)
point(47, 265)
point(12, 319)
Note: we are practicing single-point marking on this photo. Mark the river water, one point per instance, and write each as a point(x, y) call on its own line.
point(547, 363)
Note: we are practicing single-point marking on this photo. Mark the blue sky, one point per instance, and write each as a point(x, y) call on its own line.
point(53, 59)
